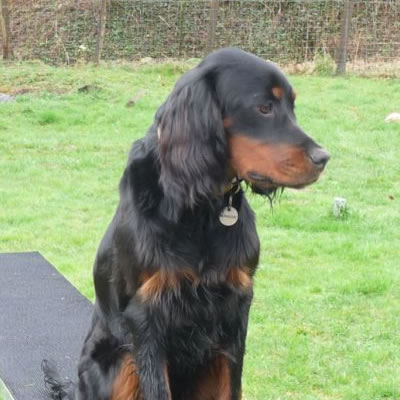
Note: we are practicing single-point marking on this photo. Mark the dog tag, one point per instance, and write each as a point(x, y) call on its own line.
point(229, 215)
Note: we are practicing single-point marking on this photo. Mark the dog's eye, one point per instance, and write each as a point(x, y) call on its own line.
point(265, 109)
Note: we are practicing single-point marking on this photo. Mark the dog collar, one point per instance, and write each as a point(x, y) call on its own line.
point(234, 186)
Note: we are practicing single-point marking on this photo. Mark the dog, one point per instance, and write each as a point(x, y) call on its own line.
point(174, 272)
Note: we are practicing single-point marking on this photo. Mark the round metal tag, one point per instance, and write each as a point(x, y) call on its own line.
point(228, 216)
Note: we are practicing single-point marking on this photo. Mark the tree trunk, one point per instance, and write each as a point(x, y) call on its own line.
point(5, 29)
point(212, 26)
point(344, 38)
point(101, 29)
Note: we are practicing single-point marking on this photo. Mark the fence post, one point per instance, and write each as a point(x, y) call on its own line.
point(212, 26)
point(5, 29)
point(101, 29)
point(344, 38)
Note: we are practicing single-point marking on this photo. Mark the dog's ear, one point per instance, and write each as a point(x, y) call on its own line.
point(192, 143)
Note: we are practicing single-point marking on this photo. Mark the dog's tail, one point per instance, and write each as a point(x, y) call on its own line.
point(57, 387)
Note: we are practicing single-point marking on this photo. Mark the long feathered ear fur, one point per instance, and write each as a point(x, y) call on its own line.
point(192, 143)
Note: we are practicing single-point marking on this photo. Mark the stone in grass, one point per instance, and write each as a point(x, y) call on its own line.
point(89, 89)
point(393, 117)
point(340, 208)
point(146, 60)
point(6, 98)
point(132, 102)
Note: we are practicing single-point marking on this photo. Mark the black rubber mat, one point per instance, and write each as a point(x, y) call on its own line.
point(41, 316)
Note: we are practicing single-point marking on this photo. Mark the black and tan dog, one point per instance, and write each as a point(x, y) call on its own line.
point(174, 272)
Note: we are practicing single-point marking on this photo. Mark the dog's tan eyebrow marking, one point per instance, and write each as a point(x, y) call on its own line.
point(294, 94)
point(277, 91)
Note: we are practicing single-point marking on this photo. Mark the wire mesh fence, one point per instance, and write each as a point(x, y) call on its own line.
point(285, 31)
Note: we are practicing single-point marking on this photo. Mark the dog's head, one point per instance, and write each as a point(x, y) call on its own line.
point(233, 115)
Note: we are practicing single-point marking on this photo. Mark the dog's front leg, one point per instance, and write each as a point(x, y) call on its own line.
point(148, 351)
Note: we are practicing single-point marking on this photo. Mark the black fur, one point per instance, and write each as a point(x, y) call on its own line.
point(182, 336)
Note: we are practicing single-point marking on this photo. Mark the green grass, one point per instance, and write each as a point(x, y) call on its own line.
point(325, 320)
point(4, 392)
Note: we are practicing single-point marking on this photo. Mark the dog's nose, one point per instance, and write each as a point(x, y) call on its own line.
point(319, 157)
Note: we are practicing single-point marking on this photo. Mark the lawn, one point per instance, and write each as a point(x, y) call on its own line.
point(325, 320)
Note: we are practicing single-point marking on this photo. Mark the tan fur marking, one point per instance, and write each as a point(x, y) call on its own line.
point(155, 285)
point(277, 91)
point(215, 382)
point(228, 122)
point(239, 278)
point(294, 94)
point(166, 377)
point(285, 164)
point(126, 383)
point(224, 387)
point(161, 281)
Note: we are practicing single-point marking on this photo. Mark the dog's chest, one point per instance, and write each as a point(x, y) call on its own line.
point(201, 316)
